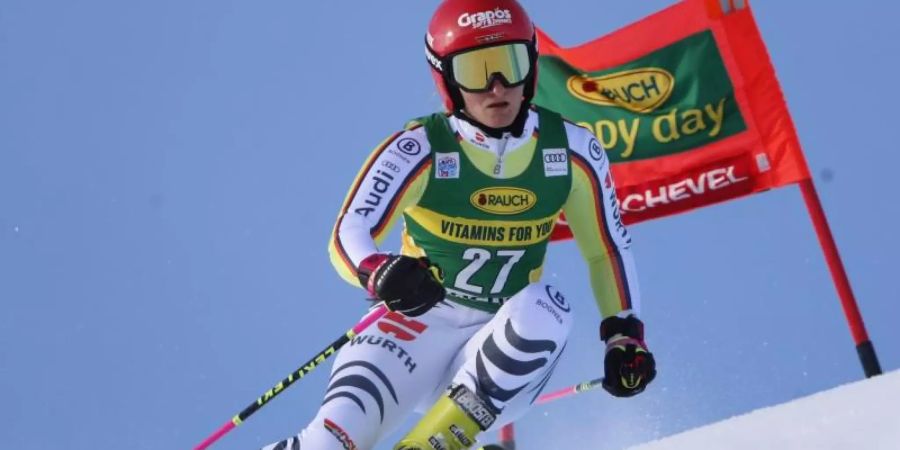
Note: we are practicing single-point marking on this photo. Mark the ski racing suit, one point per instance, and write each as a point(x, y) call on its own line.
point(483, 209)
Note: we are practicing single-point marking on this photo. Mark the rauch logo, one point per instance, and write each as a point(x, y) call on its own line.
point(638, 90)
point(505, 201)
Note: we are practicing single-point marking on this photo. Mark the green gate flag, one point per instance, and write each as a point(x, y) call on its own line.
point(686, 104)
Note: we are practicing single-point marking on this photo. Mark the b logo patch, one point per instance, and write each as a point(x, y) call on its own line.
point(557, 298)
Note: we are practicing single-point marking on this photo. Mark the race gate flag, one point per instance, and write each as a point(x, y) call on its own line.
point(686, 104)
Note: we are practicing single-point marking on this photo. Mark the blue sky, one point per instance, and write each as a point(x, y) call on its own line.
point(170, 172)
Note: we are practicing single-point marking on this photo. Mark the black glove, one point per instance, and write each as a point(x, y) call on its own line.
point(629, 366)
point(410, 286)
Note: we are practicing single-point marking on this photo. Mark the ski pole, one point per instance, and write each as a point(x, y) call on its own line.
point(301, 372)
point(577, 389)
point(507, 433)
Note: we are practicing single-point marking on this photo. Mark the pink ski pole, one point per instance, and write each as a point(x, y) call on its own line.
point(305, 369)
point(578, 388)
point(507, 433)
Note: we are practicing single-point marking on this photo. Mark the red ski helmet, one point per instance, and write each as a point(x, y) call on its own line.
point(501, 27)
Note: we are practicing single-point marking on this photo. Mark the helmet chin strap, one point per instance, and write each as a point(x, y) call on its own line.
point(515, 128)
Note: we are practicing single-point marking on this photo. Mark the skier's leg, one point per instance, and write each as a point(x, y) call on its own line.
point(503, 367)
point(378, 378)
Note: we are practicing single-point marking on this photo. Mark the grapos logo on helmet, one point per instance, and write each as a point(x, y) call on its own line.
point(485, 19)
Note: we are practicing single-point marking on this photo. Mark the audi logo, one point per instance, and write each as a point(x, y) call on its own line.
point(554, 158)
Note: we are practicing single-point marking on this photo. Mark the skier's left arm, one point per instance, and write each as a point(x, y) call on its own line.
point(593, 215)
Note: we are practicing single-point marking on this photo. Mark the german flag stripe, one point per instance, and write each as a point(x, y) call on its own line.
point(618, 265)
point(356, 184)
point(571, 123)
point(343, 254)
point(410, 179)
point(413, 125)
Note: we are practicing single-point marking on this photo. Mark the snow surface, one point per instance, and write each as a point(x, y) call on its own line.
point(860, 415)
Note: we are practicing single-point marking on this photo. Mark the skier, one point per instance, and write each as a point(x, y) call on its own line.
point(474, 334)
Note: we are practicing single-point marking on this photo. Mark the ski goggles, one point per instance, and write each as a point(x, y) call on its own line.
point(475, 70)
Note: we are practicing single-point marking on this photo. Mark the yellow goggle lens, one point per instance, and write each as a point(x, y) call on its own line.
point(475, 70)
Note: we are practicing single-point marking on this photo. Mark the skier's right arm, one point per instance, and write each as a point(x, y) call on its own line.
point(392, 178)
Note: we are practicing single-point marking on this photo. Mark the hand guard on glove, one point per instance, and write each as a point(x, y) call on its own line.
point(410, 286)
point(629, 367)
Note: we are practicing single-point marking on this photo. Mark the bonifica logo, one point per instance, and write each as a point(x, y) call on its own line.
point(505, 201)
point(485, 19)
point(638, 90)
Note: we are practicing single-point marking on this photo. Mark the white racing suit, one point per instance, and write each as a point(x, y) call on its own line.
point(506, 355)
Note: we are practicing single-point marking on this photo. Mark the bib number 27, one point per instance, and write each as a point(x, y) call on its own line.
point(479, 257)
